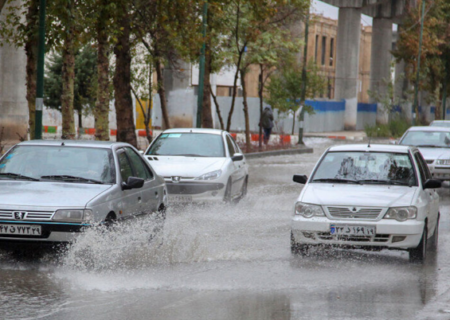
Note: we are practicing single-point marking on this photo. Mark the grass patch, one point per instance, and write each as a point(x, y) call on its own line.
point(394, 129)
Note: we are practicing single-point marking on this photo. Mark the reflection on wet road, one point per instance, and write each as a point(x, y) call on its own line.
point(224, 262)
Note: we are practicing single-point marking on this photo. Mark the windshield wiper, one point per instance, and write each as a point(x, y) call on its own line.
point(17, 176)
point(71, 178)
point(390, 182)
point(430, 146)
point(337, 180)
point(189, 155)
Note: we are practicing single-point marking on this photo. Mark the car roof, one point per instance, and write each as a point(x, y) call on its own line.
point(427, 128)
point(440, 121)
point(194, 130)
point(74, 143)
point(373, 147)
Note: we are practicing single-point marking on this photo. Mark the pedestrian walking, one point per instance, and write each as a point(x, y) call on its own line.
point(267, 123)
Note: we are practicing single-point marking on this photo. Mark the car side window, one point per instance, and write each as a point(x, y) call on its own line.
point(140, 168)
point(421, 169)
point(231, 149)
point(124, 166)
point(236, 147)
point(425, 166)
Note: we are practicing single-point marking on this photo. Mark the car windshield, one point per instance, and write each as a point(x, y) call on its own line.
point(430, 139)
point(445, 124)
point(188, 144)
point(58, 163)
point(366, 168)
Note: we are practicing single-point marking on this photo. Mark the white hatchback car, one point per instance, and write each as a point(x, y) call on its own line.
point(199, 165)
point(369, 197)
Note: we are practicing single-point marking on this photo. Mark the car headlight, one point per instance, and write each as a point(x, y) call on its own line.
point(401, 213)
point(445, 162)
point(74, 215)
point(210, 175)
point(308, 210)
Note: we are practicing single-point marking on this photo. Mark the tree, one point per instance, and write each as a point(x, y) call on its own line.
point(285, 88)
point(85, 87)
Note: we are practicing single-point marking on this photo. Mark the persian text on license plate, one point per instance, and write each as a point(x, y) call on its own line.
point(27, 230)
point(342, 229)
point(180, 198)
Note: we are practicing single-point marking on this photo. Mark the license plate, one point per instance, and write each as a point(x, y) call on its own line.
point(342, 229)
point(25, 230)
point(180, 198)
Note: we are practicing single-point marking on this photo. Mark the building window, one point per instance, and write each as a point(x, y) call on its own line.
point(324, 46)
point(317, 45)
point(331, 51)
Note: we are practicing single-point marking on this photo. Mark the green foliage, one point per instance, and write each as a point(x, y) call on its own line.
point(285, 87)
point(394, 129)
point(85, 90)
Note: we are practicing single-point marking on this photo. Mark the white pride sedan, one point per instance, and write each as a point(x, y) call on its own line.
point(199, 165)
point(368, 197)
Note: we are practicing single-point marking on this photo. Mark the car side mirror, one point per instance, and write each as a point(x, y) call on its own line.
point(133, 183)
point(300, 179)
point(237, 157)
point(432, 184)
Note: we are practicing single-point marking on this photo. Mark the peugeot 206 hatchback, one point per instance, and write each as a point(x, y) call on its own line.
point(369, 197)
point(51, 190)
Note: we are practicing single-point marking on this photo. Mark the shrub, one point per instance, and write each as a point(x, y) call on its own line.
point(395, 128)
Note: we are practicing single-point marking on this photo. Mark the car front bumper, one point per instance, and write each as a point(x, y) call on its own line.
point(183, 192)
point(389, 233)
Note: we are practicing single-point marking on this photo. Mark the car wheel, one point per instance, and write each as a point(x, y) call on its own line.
point(296, 248)
point(110, 220)
point(419, 254)
point(162, 212)
point(434, 240)
point(227, 196)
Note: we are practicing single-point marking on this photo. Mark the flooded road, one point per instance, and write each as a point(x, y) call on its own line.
point(224, 262)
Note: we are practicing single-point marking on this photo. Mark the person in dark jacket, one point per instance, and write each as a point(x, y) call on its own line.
point(267, 123)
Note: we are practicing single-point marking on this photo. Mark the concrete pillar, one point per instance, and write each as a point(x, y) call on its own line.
point(347, 65)
point(380, 63)
point(13, 102)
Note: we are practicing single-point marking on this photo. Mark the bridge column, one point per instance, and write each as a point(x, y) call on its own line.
point(347, 65)
point(380, 63)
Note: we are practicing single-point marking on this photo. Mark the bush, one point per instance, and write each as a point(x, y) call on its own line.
point(394, 129)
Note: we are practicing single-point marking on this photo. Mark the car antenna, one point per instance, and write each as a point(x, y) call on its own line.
point(370, 138)
point(62, 143)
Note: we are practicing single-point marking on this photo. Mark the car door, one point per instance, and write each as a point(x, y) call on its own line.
point(238, 174)
point(149, 192)
point(130, 203)
point(431, 196)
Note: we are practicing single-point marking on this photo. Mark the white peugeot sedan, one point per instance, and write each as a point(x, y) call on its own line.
point(199, 165)
point(368, 197)
point(434, 144)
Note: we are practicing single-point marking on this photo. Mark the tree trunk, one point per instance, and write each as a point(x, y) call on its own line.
point(122, 84)
point(162, 95)
point(207, 121)
point(31, 47)
point(247, 120)
point(68, 81)
point(260, 93)
point(217, 110)
point(101, 111)
point(148, 117)
point(80, 119)
point(236, 76)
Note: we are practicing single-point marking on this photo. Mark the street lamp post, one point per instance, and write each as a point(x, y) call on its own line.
point(416, 89)
point(201, 75)
point(40, 72)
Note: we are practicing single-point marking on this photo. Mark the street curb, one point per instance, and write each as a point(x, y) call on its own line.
point(337, 137)
point(255, 155)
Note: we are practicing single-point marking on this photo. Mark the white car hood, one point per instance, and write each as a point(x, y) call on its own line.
point(47, 194)
point(357, 195)
point(435, 153)
point(168, 166)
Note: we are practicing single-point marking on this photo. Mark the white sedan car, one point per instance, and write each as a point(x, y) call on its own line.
point(199, 165)
point(368, 197)
point(434, 144)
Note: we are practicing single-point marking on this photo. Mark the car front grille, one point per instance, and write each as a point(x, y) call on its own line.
point(354, 213)
point(376, 238)
point(26, 215)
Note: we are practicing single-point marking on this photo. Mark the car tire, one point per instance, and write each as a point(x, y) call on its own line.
point(227, 196)
point(110, 220)
point(298, 249)
point(419, 254)
point(435, 238)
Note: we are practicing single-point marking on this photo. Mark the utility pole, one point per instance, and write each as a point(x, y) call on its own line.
point(304, 80)
point(201, 73)
point(40, 72)
point(416, 89)
point(444, 89)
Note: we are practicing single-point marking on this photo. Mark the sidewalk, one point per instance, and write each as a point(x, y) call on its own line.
point(338, 135)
